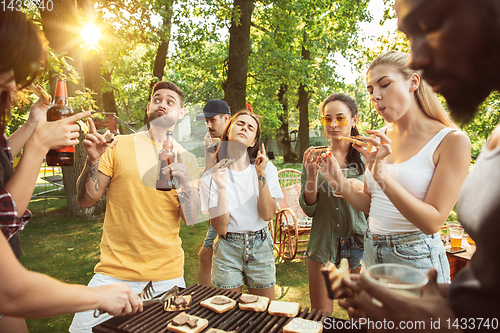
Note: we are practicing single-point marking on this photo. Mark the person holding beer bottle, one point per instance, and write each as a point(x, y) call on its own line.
point(23, 293)
point(140, 240)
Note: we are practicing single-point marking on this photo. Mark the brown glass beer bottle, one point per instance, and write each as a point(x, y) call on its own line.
point(60, 109)
point(165, 158)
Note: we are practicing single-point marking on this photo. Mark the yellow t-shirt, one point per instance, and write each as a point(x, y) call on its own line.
point(140, 239)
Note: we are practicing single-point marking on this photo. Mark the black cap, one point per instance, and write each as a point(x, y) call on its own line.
point(213, 108)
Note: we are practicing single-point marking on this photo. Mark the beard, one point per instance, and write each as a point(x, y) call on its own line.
point(464, 104)
point(162, 120)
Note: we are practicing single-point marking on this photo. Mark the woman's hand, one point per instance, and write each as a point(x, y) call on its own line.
point(39, 110)
point(261, 161)
point(57, 134)
point(375, 160)
point(219, 176)
point(310, 161)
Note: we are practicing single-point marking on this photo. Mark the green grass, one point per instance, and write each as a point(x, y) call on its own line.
point(67, 248)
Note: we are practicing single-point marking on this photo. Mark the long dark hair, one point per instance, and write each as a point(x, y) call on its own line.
point(23, 51)
point(252, 151)
point(353, 157)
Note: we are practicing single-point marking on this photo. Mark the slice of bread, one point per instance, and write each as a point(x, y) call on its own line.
point(172, 307)
point(284, 309)
point(200, 325)
point(299, 325)
point(219, 308)
point(333, 277)
point(216, 330)
point(259, 306)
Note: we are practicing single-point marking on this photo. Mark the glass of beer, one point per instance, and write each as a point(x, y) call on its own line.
point(402, 279)
point(456, 235)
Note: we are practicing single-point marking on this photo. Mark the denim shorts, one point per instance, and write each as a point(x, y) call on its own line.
point(414, 249)
point(244, 258)
point(352, 251)
point(210, 237)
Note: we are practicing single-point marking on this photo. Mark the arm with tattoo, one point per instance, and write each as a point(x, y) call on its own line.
point(189, 199)
point(91, 184)
point(267, 205)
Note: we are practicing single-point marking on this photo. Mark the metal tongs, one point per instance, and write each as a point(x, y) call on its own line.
point(165, 299)
point(145, 293)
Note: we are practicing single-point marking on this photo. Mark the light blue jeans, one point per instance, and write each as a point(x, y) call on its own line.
point(210, 237)
point(244, 258)
point(414, 249)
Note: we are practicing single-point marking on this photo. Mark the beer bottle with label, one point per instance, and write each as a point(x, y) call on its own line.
point(60, 109)
point(166, 157)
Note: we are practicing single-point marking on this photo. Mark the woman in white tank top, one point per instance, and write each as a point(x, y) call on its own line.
point(414, 173)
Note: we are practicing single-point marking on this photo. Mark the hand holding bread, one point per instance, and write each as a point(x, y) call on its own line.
point(333, 277)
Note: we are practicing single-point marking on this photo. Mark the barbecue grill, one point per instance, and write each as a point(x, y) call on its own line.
point(154, 318)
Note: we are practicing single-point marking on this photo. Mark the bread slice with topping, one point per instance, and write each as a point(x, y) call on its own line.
point(219, 303)
point(184, 323)
point(254, 303)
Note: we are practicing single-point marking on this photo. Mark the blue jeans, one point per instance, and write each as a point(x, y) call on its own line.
point(210, 237)
point(352, 251)
point(244, 258)
point(414, 249)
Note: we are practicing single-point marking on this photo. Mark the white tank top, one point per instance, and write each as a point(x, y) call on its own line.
point(414, 175)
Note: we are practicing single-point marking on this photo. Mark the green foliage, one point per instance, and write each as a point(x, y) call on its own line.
point(484, 123)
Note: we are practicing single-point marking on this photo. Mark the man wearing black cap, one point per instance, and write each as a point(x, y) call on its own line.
point(216, 114)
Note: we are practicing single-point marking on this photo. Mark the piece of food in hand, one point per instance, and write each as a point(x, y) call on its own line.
point(219, 303)
point(110, 138)
point(322, 149)
point(358, 142)
point(179, 303)
point(299, 325)
point(40, 92)
point(184, 323)
point(284, 309)
point(225, 162)
point(333, 277)
point(253, 303)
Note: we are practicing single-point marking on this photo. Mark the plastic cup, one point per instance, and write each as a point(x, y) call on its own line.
point(403, 279)
point(456, 235)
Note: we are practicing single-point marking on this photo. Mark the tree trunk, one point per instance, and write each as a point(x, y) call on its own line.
point(92, 75)
point(61, 28)
point(161, 52)
point(303, 105)
point(283, 135)
point(239, 52)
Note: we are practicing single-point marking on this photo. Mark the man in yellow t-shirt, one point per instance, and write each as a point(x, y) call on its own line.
point(140, 240)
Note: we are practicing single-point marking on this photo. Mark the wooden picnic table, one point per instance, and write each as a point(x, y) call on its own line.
point(459, 260)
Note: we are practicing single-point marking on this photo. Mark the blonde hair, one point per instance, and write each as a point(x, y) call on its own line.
point(425, 97)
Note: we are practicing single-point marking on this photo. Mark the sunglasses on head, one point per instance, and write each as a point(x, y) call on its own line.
point(340, 120)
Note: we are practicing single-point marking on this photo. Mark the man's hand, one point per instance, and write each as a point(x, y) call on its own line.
point(399, 308)
point(94, 143)
point(180, 171)
point(118, 299)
